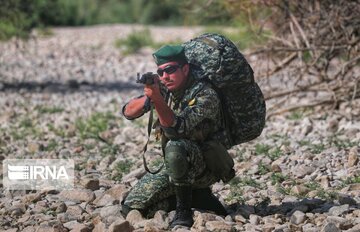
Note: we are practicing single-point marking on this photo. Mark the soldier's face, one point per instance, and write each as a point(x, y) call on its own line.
point(173, 76)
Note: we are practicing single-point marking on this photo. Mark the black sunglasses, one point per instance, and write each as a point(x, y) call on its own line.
point(168, 69)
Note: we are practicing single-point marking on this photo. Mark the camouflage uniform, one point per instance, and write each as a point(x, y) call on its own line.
point(220, 107)
point(198, 116)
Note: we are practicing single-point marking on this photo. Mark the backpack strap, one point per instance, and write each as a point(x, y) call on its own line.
point(215, 45)
point(209, 42)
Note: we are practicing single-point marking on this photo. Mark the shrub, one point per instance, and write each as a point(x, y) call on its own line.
point(135, 41)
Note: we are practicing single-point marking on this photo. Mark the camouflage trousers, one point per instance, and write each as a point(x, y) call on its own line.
point(153, 191)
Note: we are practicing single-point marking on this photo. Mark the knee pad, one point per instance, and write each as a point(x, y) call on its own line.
point(176, 161)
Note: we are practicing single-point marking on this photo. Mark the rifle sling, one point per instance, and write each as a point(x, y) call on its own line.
point(151, 117)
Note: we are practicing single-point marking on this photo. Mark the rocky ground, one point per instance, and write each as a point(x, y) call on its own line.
point(61, 96)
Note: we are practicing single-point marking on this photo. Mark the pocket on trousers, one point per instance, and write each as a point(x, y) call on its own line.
point(218, 159)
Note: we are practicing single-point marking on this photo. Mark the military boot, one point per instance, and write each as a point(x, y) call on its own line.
point(183, 215)
point(205, 199)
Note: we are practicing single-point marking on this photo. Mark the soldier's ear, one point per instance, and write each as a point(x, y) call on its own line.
point(186, 69)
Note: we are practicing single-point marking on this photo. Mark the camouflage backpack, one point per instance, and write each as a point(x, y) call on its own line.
point(216, 59)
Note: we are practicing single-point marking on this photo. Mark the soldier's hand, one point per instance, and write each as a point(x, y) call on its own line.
point(153, 91)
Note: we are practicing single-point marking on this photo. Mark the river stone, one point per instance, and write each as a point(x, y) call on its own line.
point(202, 218)
point(61, 207)
point(74, 210)
point(120, 225)
point(309, 228)
point(99, 227)
point(297, 217)
point(29, 229)
point(118, 192)
point(353, 158)
point(92, 184)
point(338, 210)
point(104, 200)
point(71, 224)
point(78, 195)
point(113, 210)
point(345, 199)
point(254, 219)
point(80, 228)
point(134, 216)
point(17, 209)
point(302, 170)
point(330, 227)
point(217, 226)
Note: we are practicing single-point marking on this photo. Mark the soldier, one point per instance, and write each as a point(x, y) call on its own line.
point(187, 126)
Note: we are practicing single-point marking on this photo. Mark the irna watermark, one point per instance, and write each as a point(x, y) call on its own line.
point(38, 174)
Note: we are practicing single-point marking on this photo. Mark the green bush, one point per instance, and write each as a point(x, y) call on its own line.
point(7, 30)
point(135, 41)
point(92, 126)
point(14, 20)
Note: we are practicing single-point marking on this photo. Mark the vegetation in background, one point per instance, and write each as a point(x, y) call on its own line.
point(18, 17)
point(122, 168)
point(92, 126)
point(25, 128)
point(49, 109)
point(272, 152)
point(242, 36)
point(15, 19)
point(135, 41)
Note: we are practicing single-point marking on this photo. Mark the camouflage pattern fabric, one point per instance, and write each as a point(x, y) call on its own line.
point(151, 192)
point(216, 59)
point(198, 115)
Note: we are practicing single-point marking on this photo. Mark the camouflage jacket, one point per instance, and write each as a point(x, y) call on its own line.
point(198, 113)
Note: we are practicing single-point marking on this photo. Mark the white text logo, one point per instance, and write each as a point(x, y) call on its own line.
point(37, 174)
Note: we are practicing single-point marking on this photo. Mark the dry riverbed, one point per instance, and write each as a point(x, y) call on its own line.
point(61, 97)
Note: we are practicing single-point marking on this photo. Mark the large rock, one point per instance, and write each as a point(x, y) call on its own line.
point(302, 170)
point(330, 227)
point(118, 192)
point(113, 210)
point(217, 226)
point(135, 218)
point(105, 200)
point(75, 211)
point(120, 225)
point(338, 210)
point(78, 195)
point(17, 209)
point(254, 219)
point(298, 217)
point(90, 183)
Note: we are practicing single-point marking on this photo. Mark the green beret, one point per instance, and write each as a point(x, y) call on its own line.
point(169, 53)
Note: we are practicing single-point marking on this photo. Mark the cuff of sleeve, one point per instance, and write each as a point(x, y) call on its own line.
point(146, 108)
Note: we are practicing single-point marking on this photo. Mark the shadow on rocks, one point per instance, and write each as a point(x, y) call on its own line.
point(67, 87)
point(288, 208)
